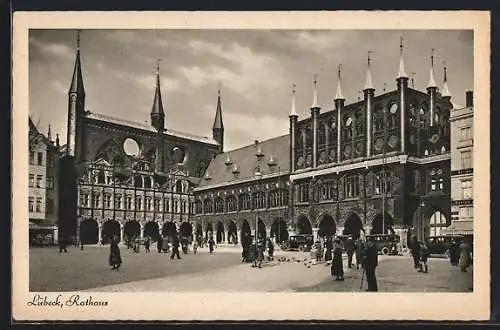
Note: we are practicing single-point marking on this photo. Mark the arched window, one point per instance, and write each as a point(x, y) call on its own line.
point(198, 207)
point(219, 205)
point(436, 178)
point(437, 223)
point(259, 200)
point(332, 130)
point(147, 182)
point(244, 202)
point(138, 181)
point(208, 206)
point(278, 197)
point(360, 123)
point(178, 186)
point(101, 177)
point(321, 134)
point(231, 204)
point(422, 114)
point(347, 127)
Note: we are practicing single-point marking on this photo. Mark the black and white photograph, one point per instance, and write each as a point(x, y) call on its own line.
point(264, 161)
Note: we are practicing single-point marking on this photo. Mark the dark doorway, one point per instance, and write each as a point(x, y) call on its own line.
point(279, 231)
point(89, 231)
point(382, 225)
point(245, 233)
point(220, 237)
point(169, 229)
point(132, 230)
point(151, 229)
point(261, 230)
point(186, 230)
point(110, 230)
point(232, 233)
point(353, 226)
point(304, 226)
point(327, 226)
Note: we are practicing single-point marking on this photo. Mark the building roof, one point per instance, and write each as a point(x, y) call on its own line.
point(275, 150)
point(149, 128)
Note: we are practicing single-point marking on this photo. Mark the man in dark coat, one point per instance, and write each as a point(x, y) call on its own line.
point(337, 268)
point(349, 248)
point(159, 243)
point(175, 248)
point(115, 259)
point(211, 244)
point(147, 243)
point(454, 252)
point(370, 263)
point(270, 249)
point(415, 251)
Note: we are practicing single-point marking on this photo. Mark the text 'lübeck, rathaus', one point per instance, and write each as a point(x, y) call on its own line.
point(325, 177)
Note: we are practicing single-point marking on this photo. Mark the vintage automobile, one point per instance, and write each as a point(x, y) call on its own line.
point(440, 245)
point(298, 243)
point(387, 244)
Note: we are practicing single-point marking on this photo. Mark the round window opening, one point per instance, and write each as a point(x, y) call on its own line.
point(131, 147)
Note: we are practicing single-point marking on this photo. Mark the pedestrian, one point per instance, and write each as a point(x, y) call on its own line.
point(260, 254)
point(184, 244)
point(147, 243)
point(360, 247)
point(159, 243)
point(175, 248)
point(424, 255)
point(81, 246)
point(415, 251)
point(349, 248)
point(318, 251)
point(328, 251)
point(370, 263)
point(115, 259)
point(195, 246)
point(465, 256)
point(63, 245)
point(337, 268)
point(164, 244)
point(270, 249)
point(454, 252)
point(211, 244)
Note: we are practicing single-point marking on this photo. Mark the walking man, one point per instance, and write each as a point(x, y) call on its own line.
point(211, 244)
point(349, 248)
point(175, 248)
point(415, 251)
point(147, 243)
point(370, 263)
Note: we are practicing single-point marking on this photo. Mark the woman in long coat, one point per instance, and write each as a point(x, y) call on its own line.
point(115, 259)
point(465, 256)
point(337, 268)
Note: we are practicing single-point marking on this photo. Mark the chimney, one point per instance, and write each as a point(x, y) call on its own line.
point(469, 99)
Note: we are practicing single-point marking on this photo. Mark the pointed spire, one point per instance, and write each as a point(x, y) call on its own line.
point(157, 103)
point(445, 92)
point(412, 80)
point(339, 95)
point(402, 73)
point(218, 124)
point(293, 110)
point(49, 133)
point(368, 83)
point(57, 140)
point(432, 81)
point(315, 93)
point(77, 80)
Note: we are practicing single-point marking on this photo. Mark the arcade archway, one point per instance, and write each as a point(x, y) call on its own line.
point(245, 233)
point(89, 231)
point(382, 225)
point(132, 230)
point(198, 231)
point(209, 229)
point(279, 231)
point(220, 236)
point(261, 230)
point(110, 230)
point(186, 230)
point(169, 229)
point(232, 233)
point(304, 226)
point(151, 230)
point(353, 226)
point(327, 226)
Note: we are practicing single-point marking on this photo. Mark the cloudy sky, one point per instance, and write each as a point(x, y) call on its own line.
point(255, 69)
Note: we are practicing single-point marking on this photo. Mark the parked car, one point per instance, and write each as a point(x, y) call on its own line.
point(439, 245)
point(387, 244)
point(298, 243)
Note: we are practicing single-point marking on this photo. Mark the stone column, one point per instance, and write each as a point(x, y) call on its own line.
point(99, 233)
point(238, 232)
point(268, 233)
point(315, 234)
point(142, 230)
point(122, 232)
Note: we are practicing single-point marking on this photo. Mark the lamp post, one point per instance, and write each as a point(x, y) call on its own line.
point(258, 176)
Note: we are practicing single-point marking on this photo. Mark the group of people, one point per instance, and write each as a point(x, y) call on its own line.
point(460, 254)
point(366, 257)
point(254, 251)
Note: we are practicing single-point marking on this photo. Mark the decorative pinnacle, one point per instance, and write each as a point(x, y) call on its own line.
point(369, 60)
point(315, 96)
point(293, 111)
point(339, 95)
point(444, 64)
point(401, 46)
point(368, 83)
point(78, 39)
point(432, 81)
point(445, 91)
point(402, 73)
point(158, 65)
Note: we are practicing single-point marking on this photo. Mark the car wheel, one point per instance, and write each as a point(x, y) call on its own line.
point(385, 250)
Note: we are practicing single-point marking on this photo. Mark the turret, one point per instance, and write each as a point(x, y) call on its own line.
point(218, 127)
point(76, 108)
point(293, 124)
point(432, 91)
point(402, 82)
point(445, 91)
point(315, 109)
point(157, 113)
point(339, 106)
point(369, 94)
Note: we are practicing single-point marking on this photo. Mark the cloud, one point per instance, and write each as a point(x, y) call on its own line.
point(317, 41)
point(55, 49)
point(58, 86)
point(149, 81)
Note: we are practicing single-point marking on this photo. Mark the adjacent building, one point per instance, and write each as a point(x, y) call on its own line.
point(462, 168)
point(134, 179)
point(43, 187)
point(379, 165)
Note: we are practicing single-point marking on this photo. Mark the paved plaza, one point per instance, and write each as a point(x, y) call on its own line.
point(222, 271)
